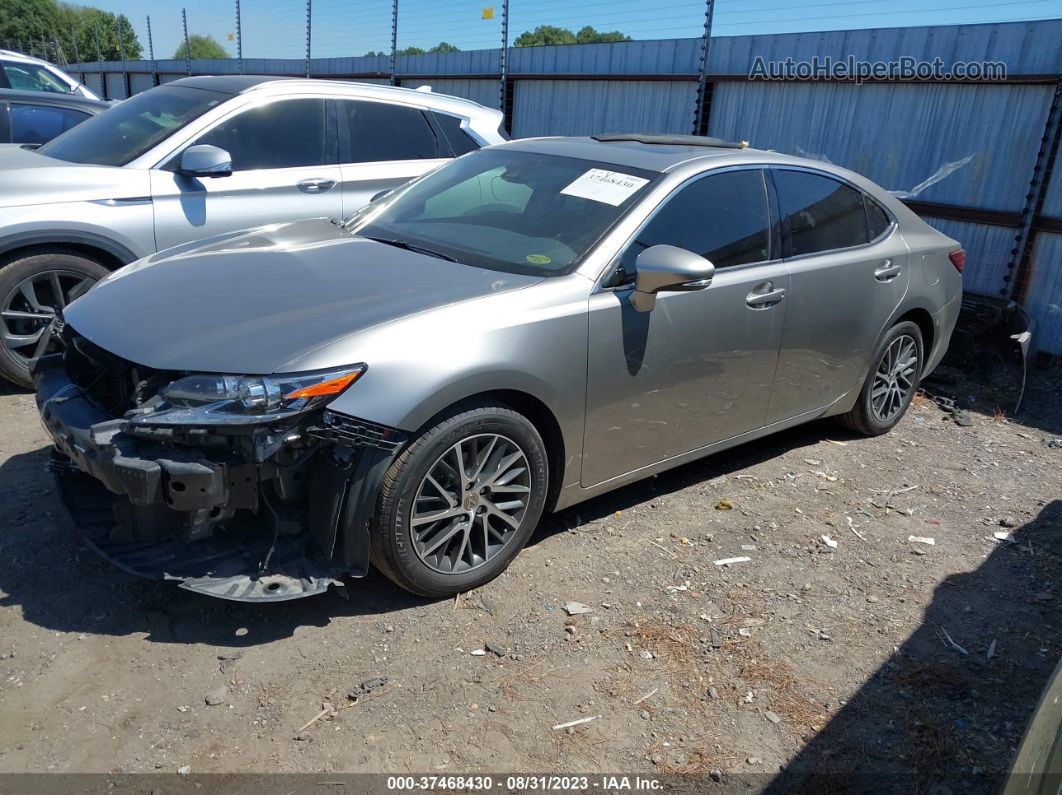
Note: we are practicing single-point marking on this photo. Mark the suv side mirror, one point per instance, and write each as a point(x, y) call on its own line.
point(204, 160)
point(668, 268)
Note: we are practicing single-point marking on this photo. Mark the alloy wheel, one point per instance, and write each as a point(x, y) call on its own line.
point(470, 503)
point(29, 308)
point(894, 379)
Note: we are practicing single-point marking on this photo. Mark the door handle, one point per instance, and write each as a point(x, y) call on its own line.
point(886, 272)
point(316, 185)
point(766, 299)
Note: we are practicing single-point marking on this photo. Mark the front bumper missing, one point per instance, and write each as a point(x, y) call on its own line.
point(228, 521)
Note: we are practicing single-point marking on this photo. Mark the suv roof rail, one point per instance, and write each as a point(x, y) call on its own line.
point(669, 139)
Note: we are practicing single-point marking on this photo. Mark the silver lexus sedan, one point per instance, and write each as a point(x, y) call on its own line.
point(259, 414)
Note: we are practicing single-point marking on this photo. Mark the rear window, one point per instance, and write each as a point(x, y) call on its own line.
point(33, 77)
point(820, 213)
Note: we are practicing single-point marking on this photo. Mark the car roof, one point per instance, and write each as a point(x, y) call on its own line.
point(628, 151)
point(53, 98)
point(241, 84)
point(666, 153)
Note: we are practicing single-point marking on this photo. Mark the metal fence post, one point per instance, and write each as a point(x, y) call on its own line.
point(701, 113)
point(77, 52)
point(99, 61)
point(121, 55)
point(503, 63)
point(394, 39)
point(1019, 269)
point(309, 28)
point(151, 54)
point(60, 56)
point(187, 46)
point(239, 39)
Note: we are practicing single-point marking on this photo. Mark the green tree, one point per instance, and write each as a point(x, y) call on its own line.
point(442, 46)
point(62, 32)
point(551, 34)
point(205, 47)
point(587, 35)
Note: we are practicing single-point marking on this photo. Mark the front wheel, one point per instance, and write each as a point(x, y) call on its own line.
point(32, 287)
point(460, 502)
point(890, 387)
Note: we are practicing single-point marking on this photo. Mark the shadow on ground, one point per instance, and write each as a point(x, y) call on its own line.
point(938, 719)
point(61, 585)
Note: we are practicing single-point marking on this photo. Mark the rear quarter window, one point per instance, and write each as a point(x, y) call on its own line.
point(459, 140)
point(878, 220)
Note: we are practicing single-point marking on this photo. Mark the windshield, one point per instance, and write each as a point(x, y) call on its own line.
point(127, 130)
point(502, 209)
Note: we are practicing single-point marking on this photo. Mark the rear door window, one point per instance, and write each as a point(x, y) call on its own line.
point(38, 124)
point(378, 131)
point(819, 213)
point(284, 134)
point(722, 217)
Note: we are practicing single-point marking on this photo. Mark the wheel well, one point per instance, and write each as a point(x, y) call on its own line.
point(924, 321)
point(86, 250)
point(547, 426)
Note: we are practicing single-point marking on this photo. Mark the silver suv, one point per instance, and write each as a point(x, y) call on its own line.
point(200, 157)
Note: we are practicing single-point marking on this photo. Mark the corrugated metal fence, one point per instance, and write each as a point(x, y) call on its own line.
point(991, 145)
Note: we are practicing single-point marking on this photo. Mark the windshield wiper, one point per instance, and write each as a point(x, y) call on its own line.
point(412, 247)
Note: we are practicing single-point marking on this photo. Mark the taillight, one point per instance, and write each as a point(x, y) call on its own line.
point(958, 259)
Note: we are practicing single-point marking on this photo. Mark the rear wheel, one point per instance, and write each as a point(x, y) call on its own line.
point(891, 384)
point(32, 287)
point(461, 501)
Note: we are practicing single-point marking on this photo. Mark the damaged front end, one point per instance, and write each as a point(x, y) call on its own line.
point(244, 488)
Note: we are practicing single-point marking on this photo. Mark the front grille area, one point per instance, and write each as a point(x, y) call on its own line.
point(113, 383)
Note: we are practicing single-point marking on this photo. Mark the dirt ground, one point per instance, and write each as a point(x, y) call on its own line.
point(814, 665)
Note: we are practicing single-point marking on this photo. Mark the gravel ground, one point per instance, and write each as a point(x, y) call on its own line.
point(909, 665)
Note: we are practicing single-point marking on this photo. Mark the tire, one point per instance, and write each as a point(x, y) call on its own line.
point(865, 416)
point(402, 539)
point(75, 275)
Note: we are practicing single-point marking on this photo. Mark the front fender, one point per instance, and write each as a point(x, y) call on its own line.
point(124, 233)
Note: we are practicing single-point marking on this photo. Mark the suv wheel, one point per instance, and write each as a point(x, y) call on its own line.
point(460, 502)
point(32, 287)
point(891, 384)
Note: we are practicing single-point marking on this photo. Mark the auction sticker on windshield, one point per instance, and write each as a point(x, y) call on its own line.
point(608, 187)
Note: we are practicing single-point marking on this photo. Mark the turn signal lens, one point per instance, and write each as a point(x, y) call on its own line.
point(333, 386)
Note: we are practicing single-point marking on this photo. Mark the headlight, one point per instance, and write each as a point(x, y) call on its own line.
point(240, 398)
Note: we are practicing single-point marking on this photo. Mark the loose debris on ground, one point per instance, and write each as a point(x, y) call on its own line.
point(811, 605)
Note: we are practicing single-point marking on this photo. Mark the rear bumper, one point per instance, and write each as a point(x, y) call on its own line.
point(224, 518)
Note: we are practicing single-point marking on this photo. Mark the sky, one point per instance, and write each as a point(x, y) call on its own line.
point(277, 28)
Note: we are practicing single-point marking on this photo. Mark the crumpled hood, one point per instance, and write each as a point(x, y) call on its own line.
point(251, 301)
point(28, 177)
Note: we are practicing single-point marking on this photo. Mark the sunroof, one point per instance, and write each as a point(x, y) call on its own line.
point(668, 139)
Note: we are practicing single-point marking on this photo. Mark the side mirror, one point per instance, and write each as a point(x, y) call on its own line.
point(204, 160)
point(668, 268)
